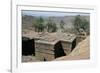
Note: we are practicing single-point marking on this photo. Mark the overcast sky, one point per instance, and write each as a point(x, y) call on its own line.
point(45, 13)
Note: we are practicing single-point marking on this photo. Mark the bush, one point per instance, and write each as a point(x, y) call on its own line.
point(39, 24)
point(51, 26)
point(81, 23)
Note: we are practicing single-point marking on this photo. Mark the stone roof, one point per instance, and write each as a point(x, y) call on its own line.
point(51, 38)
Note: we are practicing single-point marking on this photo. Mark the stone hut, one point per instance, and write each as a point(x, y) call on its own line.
point(54, 45)
point(68, 42)
point(46, 50)
point(48, 46)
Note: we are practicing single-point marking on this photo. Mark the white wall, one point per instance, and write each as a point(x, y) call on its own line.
point(5, 34)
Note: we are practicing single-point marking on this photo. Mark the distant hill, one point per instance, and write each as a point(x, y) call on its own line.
point(27, 21)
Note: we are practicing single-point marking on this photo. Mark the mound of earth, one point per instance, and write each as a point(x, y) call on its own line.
point(82, 51)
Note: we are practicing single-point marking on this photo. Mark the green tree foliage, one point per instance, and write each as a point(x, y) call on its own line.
point(77, 23)
point(85, 26)
point(62, 24)
point(35, 24)
point(39, 24)
point(51, 26)
point(54, 27)
point(81, 23)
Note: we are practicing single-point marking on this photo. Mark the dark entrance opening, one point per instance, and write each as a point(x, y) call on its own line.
point(73, 44)
point(58, 50)
point(44, 59)
point(28, 47)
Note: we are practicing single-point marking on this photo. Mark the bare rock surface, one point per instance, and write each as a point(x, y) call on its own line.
point(29, 59)
point(82, 51)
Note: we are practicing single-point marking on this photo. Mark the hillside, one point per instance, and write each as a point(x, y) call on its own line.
point(82, 51)
point(27, 21)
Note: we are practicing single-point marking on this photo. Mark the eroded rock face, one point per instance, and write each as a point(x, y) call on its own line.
point(81, 51)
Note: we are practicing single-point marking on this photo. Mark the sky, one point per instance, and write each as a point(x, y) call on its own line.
point(49, 13)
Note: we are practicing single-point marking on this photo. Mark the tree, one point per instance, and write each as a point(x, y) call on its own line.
point(39, 24)
point(54, 27)
point(51, 26)
point(81, 24)
point(40, 20)
point(35, 24)
point(62, 25)
point(85, 25)
point(77, 23)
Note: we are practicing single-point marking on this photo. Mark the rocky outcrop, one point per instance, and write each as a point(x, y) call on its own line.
point(82, 51)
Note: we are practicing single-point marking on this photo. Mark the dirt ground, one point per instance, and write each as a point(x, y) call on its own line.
point(29, 59)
